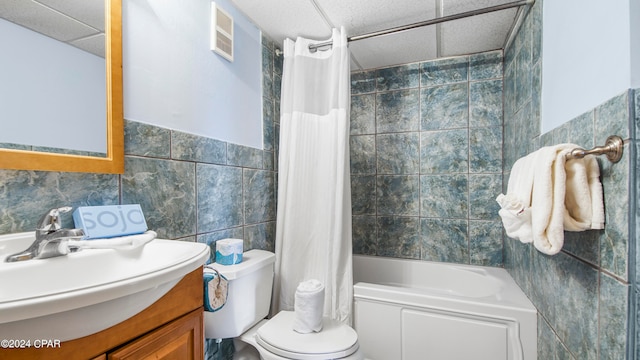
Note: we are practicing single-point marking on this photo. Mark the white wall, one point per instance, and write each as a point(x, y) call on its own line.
point(586, 56)
point(51, 94)
point(172, 79)
point(635, 44)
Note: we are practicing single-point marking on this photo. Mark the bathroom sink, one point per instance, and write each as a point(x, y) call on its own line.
point(68, 297)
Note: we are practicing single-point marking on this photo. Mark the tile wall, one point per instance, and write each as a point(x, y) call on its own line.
point(426, 160)
point(582, 293)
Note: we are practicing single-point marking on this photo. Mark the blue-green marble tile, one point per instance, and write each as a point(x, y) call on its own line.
point(518, 261)
point(258, 196)
point(265, 41)
point(398, 111)
point(363, 154)
point(613, 318)
point(445, 240)
point(365, 235)
point(276, 153)
point(363, 82)
point(15, 146)
point(485, 243)
point(483, 190)
point(260, 236)
point(267, 61)
point(268, 161)
point(637, 111)
point(523, 36)
point(445, 151)
point(197, 148)
point(561, 134)
point(581, 130)
point(565, 291)
point(535, 17)
point(268, 137)
point(612, 118)
point(445, 71)
point(485, 150)
point(146, 140)
point(444, 196)
point(240, 155)
point(546, 340)
point(276, 114)
point(485, 103)
point(536, 100)
point(278, 62)
point(26, 195)
point(363, 195)
point(398, 237)
point(363, 114)
point(524, 77)
point(398, 195)
point(583, 244)
point(211, 238)
point(398, 153)
point(277, 86)
point(509, 94)
point(487, 65)
point(54, 150)
point(444, 107)
point(166, 191)
point(219, 197)
point(267, 85)
point(614, 241)
point(398, 77)
point(510, 55)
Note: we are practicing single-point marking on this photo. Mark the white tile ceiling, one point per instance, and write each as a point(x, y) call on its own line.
point(314, 19)
point(77, 22)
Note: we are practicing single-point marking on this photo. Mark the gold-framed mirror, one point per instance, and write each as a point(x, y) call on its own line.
point(113, 161)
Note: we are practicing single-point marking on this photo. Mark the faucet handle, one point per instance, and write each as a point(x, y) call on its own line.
point(50, 221)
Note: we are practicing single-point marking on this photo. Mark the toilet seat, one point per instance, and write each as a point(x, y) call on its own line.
point(335, 341)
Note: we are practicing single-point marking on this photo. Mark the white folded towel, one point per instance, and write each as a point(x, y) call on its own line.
point(547, 194)
point(308, 307)
point(122, 242)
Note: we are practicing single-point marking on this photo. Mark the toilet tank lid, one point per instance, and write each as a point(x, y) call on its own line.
point(252, 260)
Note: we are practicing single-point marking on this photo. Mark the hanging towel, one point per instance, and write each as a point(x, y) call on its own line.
point(308, 307)
point(215, 289)
point(547, 195)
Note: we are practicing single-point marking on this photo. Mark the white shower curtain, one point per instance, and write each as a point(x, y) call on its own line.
point(313, 232)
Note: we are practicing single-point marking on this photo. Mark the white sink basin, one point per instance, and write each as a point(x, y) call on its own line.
point(72, 296)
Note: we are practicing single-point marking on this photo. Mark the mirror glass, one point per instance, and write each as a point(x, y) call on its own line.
point(61, 93)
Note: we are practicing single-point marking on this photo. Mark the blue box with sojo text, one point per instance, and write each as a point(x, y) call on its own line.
point(110, 221)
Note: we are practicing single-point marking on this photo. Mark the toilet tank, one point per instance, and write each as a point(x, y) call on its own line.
point(248, 297)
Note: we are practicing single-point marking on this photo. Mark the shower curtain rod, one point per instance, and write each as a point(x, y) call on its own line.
point(510, 5)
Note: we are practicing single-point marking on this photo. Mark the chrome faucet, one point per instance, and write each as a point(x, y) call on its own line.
point(51, 238)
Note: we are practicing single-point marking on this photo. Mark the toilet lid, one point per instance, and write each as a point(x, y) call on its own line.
point(335, 341)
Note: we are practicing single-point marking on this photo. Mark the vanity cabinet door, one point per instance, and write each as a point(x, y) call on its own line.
point(180, 339)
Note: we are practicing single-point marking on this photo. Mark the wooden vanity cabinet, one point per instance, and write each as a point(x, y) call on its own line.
point(171, 328)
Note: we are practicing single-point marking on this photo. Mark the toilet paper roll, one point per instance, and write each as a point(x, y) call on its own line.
point(308, 307)
point(229, 251)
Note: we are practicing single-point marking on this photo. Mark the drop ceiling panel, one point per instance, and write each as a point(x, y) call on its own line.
point(476, 34)
point(42, 19)
point(94, 44)
point(365, 16)
point(281, 19)
point(90, 12)
point(399, 48)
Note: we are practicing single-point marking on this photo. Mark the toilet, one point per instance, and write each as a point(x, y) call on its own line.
point(243, 318)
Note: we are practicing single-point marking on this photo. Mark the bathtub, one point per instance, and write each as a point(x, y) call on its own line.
point(421, 310)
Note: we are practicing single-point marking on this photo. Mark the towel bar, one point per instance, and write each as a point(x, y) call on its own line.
point(613, 148)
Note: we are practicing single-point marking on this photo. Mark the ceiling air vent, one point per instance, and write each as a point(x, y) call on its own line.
point(221, 32)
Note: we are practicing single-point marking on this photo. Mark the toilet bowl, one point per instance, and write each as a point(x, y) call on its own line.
point(243, 318)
